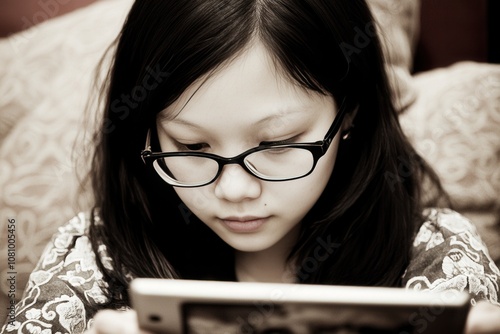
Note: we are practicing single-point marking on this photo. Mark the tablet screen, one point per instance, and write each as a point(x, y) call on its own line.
point(204, 318)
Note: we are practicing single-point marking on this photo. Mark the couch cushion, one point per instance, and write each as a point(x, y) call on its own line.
point(455, 125)
point(46, 72)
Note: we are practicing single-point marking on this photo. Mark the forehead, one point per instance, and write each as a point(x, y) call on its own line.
point(248, 88)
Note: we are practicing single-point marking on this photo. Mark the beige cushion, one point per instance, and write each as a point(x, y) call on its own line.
point(45, 79)
point(399, 23)
point(455, 125)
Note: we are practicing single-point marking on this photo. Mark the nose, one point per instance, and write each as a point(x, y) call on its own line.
point(236, 185)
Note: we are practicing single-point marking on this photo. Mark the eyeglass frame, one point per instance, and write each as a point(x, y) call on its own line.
point(318, 149)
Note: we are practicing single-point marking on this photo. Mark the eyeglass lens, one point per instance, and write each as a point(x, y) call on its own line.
point(269, 164)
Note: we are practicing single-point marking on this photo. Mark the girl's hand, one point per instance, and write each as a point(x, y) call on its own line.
point(115, 322)
point(483, 318)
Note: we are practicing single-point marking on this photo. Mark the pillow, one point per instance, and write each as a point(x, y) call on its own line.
point(46, 75)
point(398, 22)
point(455, 125)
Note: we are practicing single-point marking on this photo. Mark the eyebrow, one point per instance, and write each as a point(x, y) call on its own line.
point(180, 121)
point(266, 119)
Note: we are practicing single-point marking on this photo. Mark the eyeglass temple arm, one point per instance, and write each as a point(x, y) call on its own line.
point(147, 147)
point(337, 123)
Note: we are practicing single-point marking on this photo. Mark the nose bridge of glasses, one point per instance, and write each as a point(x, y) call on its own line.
point(234, 170)
point(236, 160)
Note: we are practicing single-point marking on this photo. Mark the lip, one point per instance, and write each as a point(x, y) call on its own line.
point(246, 224)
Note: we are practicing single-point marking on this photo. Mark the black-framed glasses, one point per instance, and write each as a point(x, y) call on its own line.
point(276, 162)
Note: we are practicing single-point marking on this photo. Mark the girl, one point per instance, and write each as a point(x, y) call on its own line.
point(237, 136)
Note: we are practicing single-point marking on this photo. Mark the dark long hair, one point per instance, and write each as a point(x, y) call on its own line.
point(365, 219)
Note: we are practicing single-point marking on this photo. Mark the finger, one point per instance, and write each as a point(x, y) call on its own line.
point(483, 318)
point(116, 322)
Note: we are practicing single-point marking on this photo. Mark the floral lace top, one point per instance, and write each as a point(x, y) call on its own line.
point(448, 254)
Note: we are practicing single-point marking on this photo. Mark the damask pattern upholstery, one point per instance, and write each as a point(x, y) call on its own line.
point(455, 124)
point(46, 73)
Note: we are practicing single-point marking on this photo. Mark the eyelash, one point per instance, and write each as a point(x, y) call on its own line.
point(279, 142)
point(201, 146)
point(192, 147)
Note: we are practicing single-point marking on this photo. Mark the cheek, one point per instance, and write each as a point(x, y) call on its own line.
point(303, 193)
point(196, 199)
point(325, 165)
point(319, 178)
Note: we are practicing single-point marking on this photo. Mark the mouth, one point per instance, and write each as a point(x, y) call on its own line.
point(246, 224)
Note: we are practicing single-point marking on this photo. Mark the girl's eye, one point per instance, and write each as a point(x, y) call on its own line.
point(278, 150)
point(193, 147)
point(279, 142)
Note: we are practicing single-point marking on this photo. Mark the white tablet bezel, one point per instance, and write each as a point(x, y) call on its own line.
point(162, 300)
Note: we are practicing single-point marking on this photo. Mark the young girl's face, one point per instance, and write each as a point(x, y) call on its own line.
point(244, 104)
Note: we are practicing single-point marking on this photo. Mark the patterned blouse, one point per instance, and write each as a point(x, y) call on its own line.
point(448, 254)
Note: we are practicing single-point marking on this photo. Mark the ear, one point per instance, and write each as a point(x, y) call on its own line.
point(348, 122)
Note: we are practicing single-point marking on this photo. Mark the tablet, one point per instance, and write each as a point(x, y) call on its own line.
point(199, 307)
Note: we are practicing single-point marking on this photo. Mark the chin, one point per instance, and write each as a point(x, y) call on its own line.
point(250, 245)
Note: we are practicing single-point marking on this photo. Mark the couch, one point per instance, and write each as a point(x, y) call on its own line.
point(450, 111)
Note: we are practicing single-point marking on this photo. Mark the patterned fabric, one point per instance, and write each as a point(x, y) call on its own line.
point(63, 285)
point(46, 75)
point(455, 125)
point(448, 254)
